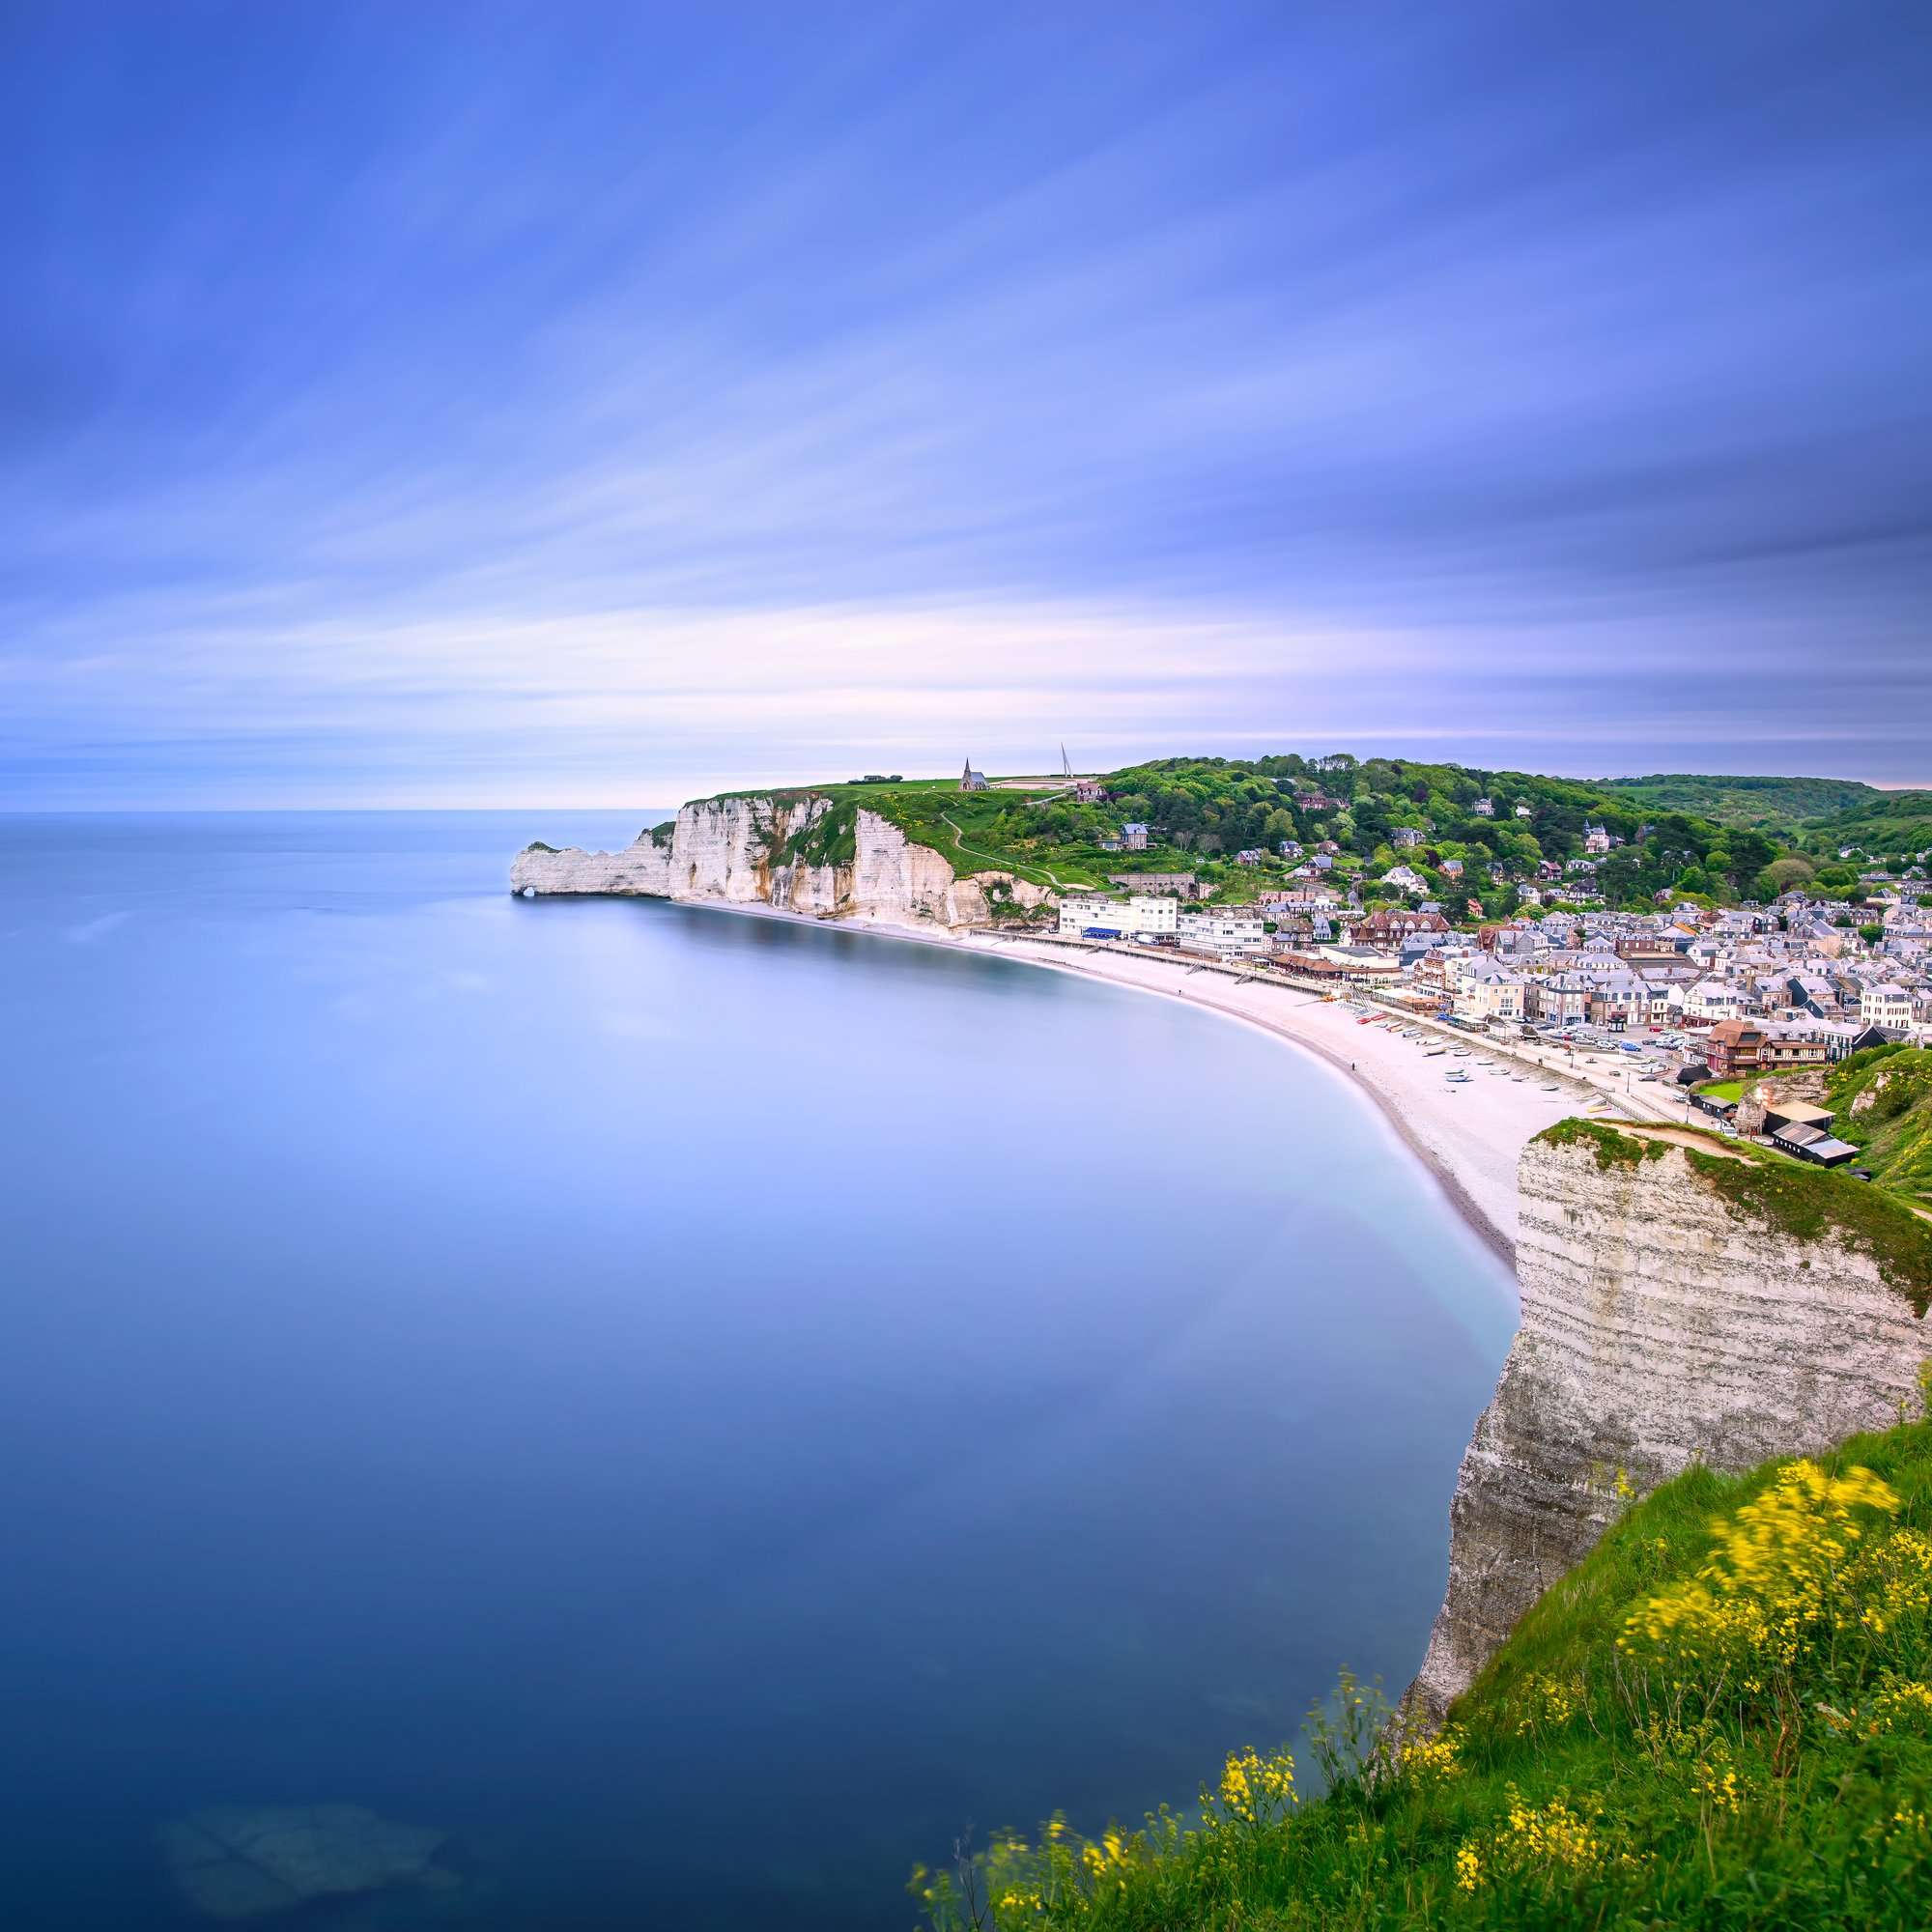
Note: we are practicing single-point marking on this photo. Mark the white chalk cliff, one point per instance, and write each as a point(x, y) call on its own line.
point(1663, 1323)
point(761, 850)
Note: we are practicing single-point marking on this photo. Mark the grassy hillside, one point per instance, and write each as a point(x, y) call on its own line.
point(1889, 824)
point(1773, 803)
point(977, 831)
point(1882, 1099)
point(1364, 815)
point(1006, 831)
point(1687, 835)
point(1723, 1718)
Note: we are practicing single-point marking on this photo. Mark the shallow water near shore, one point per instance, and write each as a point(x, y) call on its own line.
point(701, 1410)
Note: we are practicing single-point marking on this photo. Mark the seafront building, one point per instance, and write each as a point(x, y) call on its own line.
point(1147, 915)
point(1231, 930)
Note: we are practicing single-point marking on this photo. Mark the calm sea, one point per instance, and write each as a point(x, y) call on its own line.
point(701, 1410)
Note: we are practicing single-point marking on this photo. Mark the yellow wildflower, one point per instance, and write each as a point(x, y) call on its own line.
point(1255, 1790)
point(1551, 1840)
point(1430, 1761)
point(1775, 1577)
point(1554, 1701)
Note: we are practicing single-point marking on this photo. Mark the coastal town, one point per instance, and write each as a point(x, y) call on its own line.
point(1715, 1003)
point(1480, 952)
point(1691, 1000)
point(1801, 982)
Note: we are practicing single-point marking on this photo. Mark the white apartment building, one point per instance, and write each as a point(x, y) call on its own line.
point(1227, 932)
point(1886, 1005)
point(1077, 912)
point(1141, 914)
point(1153, 915)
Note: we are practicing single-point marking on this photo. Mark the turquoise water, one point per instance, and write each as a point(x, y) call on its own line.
point(699, 1409)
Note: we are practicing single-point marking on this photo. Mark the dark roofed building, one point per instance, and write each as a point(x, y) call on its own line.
point(1813, 1143)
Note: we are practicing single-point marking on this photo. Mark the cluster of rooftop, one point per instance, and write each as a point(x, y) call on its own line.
point(1745, 990)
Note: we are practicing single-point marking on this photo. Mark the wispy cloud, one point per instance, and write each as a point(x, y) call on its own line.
point(90, 931)
point(598, 411)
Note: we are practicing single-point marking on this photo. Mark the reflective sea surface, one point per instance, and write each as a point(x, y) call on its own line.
point(697, 1409)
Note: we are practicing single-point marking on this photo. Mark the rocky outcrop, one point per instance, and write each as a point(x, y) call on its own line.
point(642, 868)
point(1663, 1323)
point(791, 852)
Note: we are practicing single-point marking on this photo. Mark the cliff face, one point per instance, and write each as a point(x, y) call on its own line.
point(1660, 1325)
point(762, 851)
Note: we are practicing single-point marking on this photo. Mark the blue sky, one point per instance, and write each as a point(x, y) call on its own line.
point(469, 405)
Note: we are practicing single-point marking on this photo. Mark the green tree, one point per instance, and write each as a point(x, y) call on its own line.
point(1783, 875)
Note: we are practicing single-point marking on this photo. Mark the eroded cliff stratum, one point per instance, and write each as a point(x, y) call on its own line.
point(797, 852)
point(1681, 1301)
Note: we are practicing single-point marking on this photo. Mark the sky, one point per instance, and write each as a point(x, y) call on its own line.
point(463, 404)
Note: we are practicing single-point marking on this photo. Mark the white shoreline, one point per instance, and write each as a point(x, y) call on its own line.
point(1466, 1137)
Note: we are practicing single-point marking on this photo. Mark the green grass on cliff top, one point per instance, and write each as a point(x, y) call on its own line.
point(1682, 1782)
point(984, 831)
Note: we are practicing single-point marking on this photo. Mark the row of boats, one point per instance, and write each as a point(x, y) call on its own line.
point(1434, 1048)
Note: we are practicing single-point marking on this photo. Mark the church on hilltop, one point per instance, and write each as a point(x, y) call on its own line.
point(972, 780)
